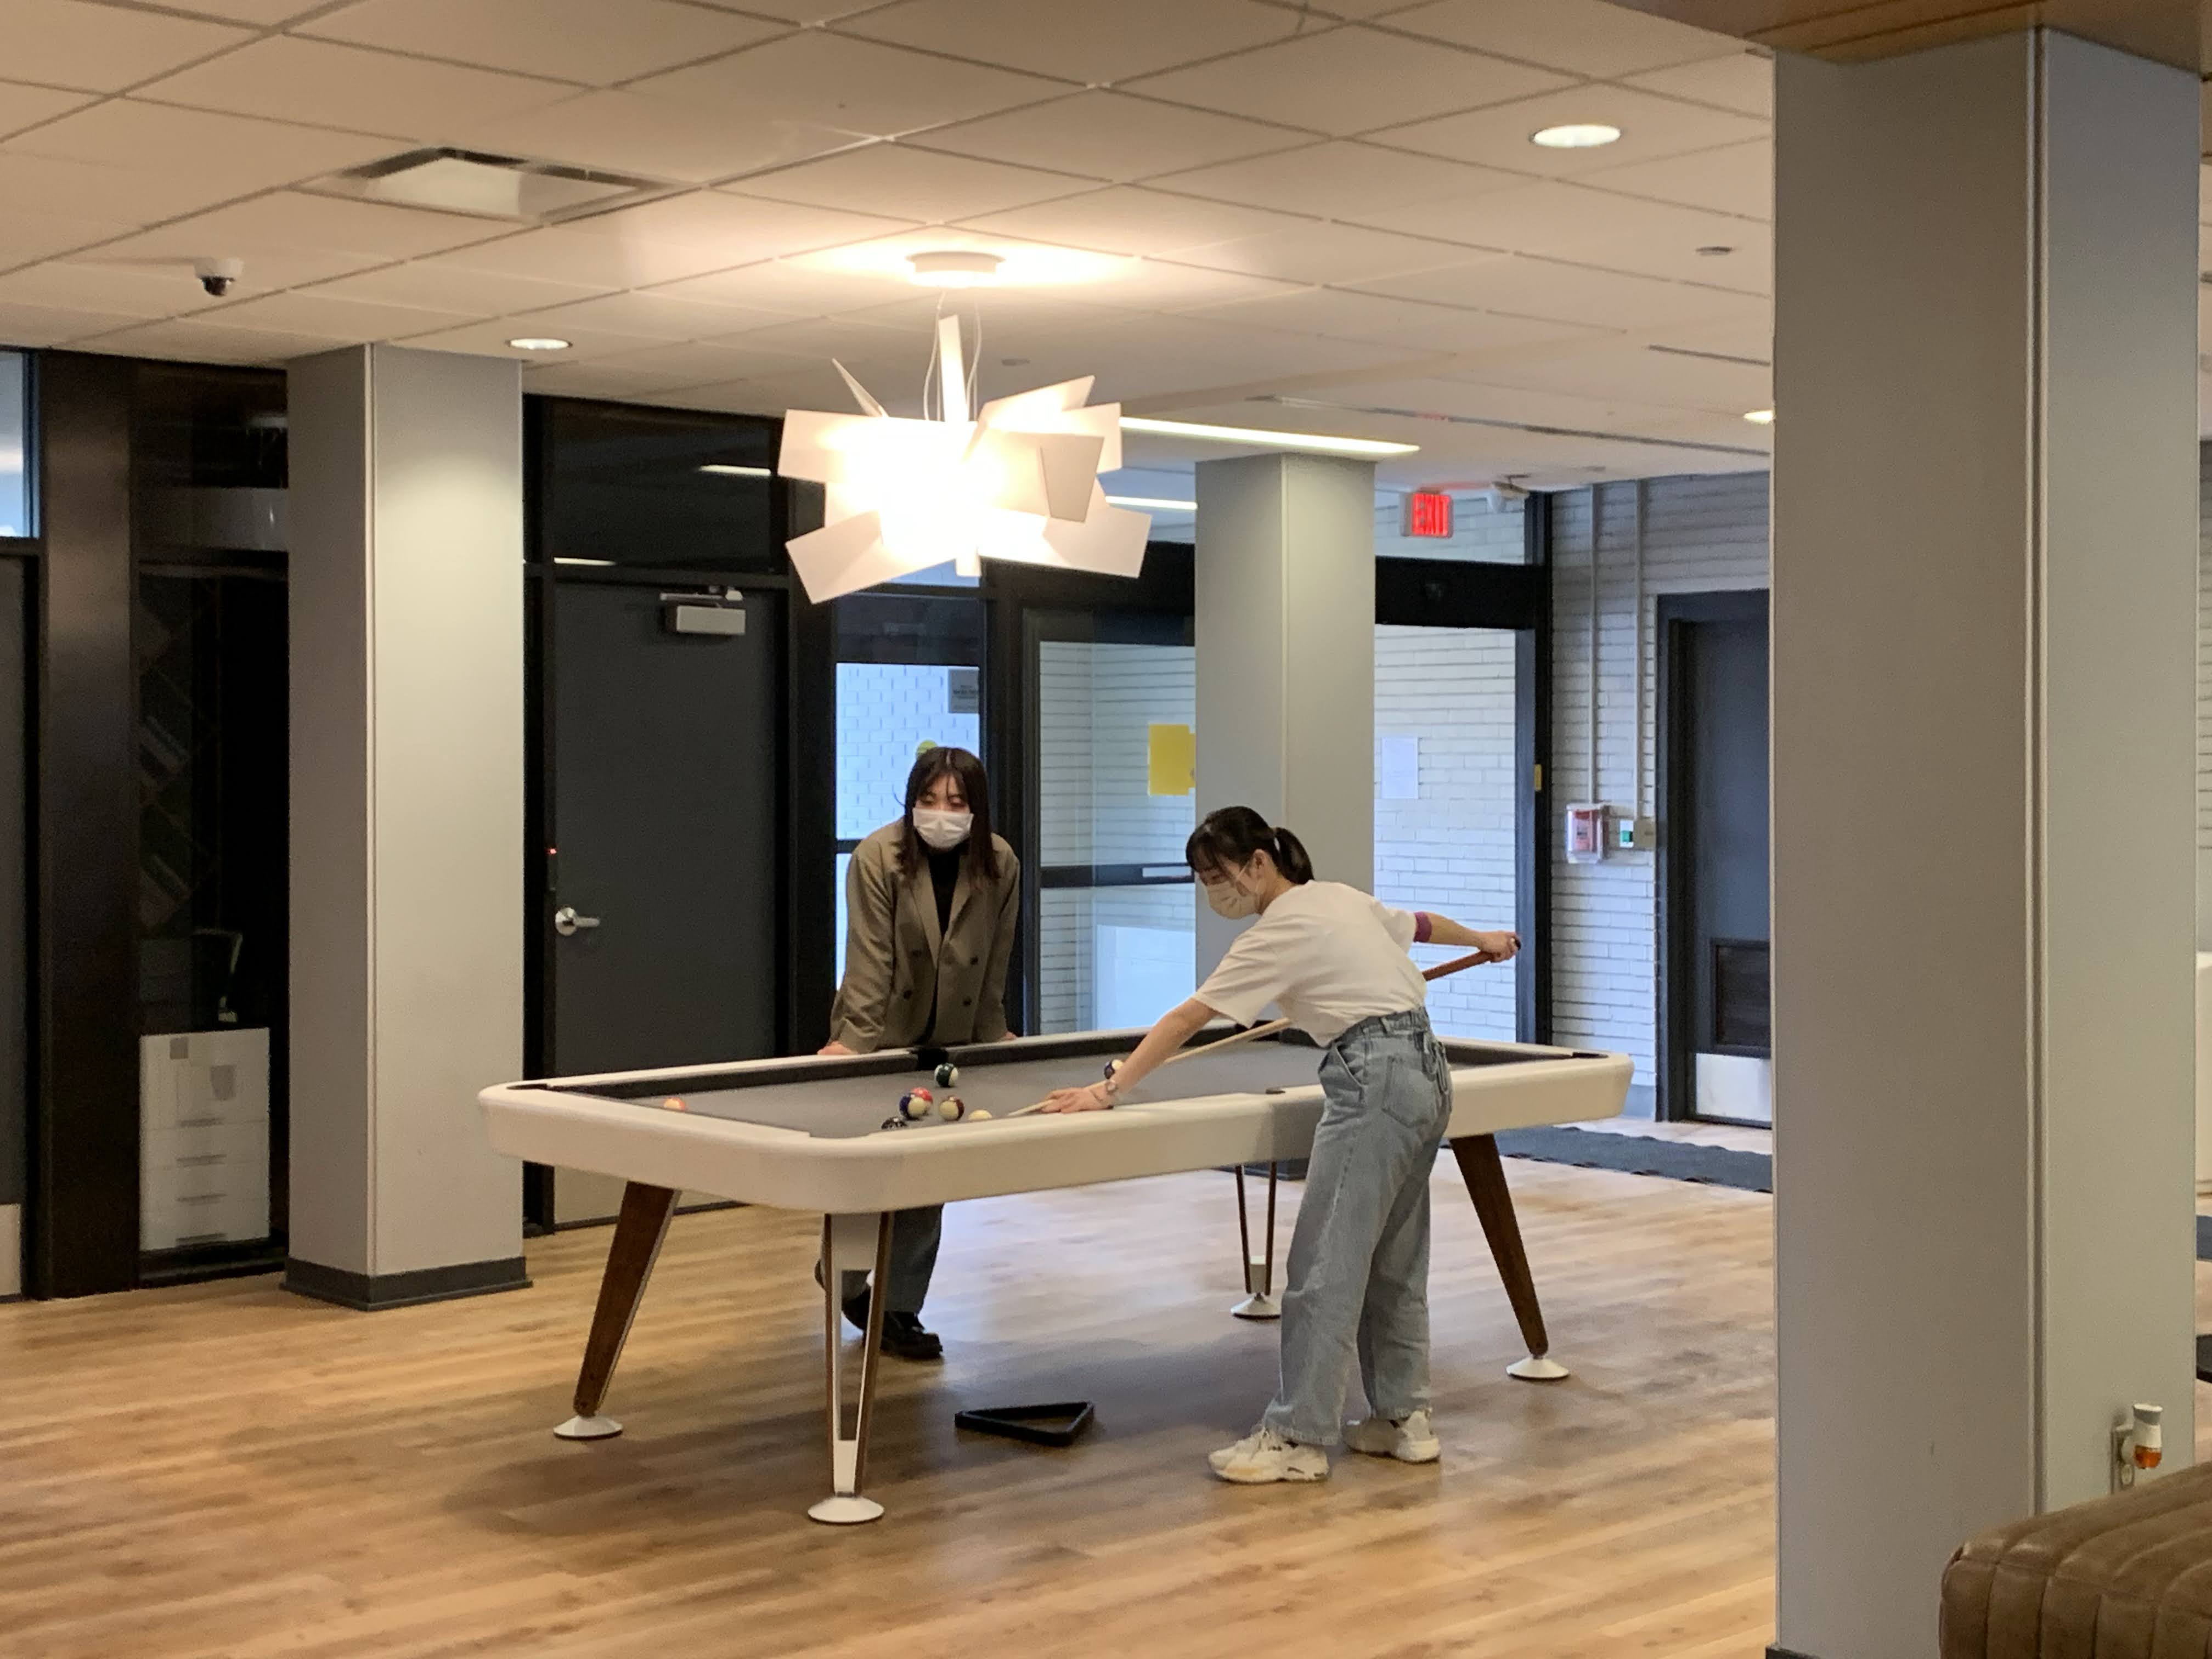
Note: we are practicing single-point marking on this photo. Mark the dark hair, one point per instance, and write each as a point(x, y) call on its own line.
point(1232, 835)
point(929, 767)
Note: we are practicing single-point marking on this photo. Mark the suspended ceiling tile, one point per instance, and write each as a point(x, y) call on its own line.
point(819, 339)
point(900, 181)
point(739, 228)
point(859, 86)
point(28, 233)
point(91, 48)
point(1005, 313)
point(661, 316)
point(193, 157)
point(260, 14)
point(1742, 82)
point(1088, 44)
point(1113, 136)
point(1526, 286)
point(1474, 398)
point(1559, 219)
point(1651, 127)
point(698, 362)
point(1377, 318)
point(562, 255)
point(1749, 337)
point(1326, 253)
point(811, 388)
point(288, 237)
point(116, 289)
point(589, 381)
point(1166, 285)
point(582, 41)
point(1340, 180)
point(321, 83)
point(687, 143)
point(795, 11)
point(1349, 79)
point(490, 339)
point(1580, 37)
point(358, 320)
point(437, 285)
point(784, 285)
point(192, 340)
point(22, 107)
point(78, 191)
point(1747, 265)
point(1128, 219)
point(23, 324)
point(1737, 179)
point(1632, 371)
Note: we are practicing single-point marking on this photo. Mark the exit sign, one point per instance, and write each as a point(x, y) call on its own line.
point(1428, 513)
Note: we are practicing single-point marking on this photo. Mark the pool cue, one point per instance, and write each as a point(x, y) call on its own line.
point(1442, 970)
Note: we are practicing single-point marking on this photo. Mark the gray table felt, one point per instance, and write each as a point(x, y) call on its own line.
point(858, 1106)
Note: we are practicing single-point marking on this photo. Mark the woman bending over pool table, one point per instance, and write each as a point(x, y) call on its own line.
point(930, 903)
point(1334, 960)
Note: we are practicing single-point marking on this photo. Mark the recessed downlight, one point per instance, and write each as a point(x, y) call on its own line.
point(1759, 417)
point(962, 267)
point(1576, 135)
point(539, 343)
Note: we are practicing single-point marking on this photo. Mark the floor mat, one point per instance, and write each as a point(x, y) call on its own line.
point(1643, 1155)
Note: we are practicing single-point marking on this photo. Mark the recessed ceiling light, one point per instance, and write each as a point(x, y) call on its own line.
point(1759, 417)
point(738, 472)
point(1258, 438)
point(961, 267)
point(539, 343)
point(1156, 503)
point(1581, 135)
point(596, 564)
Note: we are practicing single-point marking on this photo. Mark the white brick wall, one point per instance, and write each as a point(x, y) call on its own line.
point(1700, 535)
point(1451, 849)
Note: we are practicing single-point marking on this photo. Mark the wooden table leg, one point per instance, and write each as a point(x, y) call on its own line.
point(1484, 1175)
point(847, 1241)
point(639, 1231)
point(1259, 1301)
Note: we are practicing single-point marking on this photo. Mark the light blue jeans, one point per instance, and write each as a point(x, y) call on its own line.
point(1358, 1275)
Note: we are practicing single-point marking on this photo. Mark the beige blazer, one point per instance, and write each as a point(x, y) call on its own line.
point(894, 960)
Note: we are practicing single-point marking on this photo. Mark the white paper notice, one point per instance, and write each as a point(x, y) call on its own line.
point(1397, 769)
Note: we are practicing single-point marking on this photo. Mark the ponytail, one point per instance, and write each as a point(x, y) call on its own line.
point(1231, 835)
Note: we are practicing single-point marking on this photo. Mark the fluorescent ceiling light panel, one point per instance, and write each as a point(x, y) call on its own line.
point(1580, 134)
point(1155, 503)
point(1318, 443)
point(738, 472)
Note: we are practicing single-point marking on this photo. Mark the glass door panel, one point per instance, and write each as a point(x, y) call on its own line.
point(1115, 702)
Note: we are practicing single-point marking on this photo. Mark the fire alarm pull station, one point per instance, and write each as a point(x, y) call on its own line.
point(1586, 834)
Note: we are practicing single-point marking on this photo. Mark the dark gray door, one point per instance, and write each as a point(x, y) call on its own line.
point(663, 912)
point(1717, 858)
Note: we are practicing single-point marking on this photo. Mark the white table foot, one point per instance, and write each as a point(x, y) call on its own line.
point(1537, 1368)
point(846, 1509)
point(589, 1428)
point(1258, 1306)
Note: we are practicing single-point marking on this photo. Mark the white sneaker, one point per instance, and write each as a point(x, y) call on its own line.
point(1412, 1441)
point(1264, 1455)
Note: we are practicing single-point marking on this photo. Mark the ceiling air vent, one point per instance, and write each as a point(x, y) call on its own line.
point(487, 186)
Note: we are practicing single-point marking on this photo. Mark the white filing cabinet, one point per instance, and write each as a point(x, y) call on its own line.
point(203, 1138)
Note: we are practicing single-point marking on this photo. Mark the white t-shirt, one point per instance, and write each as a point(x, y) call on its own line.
point(1328, 956)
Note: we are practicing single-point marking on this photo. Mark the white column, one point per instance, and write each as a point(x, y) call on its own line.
point(407, 821)
point(1285, 632)
point(1984, 634)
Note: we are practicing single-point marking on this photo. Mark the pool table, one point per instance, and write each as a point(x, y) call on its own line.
point(810, 1134)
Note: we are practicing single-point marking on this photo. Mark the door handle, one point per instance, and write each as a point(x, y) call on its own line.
point(566, 921)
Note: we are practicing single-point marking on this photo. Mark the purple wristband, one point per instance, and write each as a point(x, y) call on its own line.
point(1421, 927)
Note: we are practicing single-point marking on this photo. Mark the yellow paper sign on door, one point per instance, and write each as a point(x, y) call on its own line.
point(1174, 769)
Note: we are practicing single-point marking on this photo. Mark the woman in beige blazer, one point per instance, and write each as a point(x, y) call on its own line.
point(930, 903)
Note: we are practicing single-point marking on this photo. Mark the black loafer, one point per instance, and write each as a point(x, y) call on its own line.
point(907, 1338)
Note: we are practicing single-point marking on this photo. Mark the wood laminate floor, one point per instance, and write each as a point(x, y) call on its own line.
point(227, 1470)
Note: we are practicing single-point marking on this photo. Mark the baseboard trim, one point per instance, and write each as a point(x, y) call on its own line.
point(374, 1292)
point(1777, 1652)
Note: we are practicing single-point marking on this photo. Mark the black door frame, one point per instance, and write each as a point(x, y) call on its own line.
point(1676, 1042)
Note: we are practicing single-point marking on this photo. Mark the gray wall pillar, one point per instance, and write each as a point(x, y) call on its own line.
point(1985, 604)
point(1285, 632)
point(407, 821)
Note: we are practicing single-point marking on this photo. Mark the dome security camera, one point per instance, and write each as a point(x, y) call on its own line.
point(216, 275)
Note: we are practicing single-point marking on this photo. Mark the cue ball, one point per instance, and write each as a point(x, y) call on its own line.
point(916, 1102)
point(978, 1117)
point(947, 1075)
point(675, 1104)
point(951, 1108)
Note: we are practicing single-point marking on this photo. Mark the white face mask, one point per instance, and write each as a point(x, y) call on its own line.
point(941, 831)
point(1225, 899)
